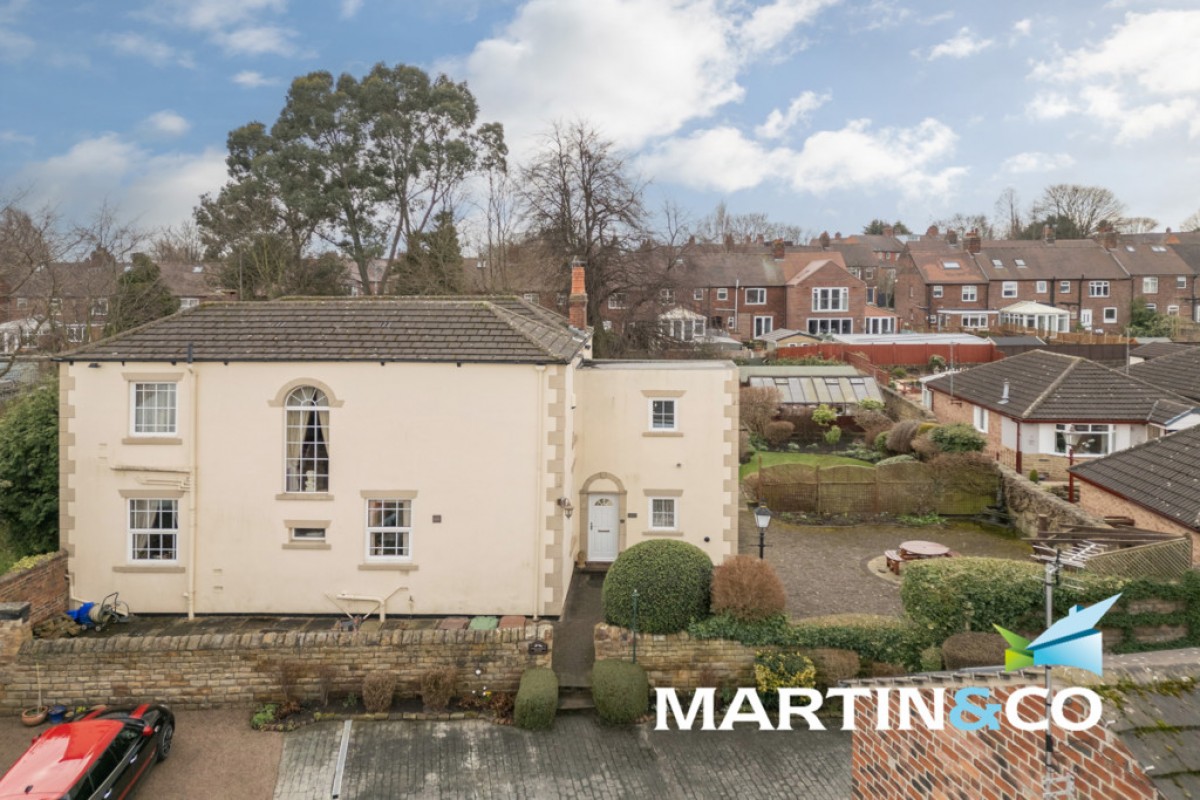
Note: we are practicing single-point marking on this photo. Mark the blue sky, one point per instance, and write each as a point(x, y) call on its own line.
point(820, 113)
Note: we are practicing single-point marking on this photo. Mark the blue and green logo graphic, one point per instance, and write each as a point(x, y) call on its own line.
point(1071, 642)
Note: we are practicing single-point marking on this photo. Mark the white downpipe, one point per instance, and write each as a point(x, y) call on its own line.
point(193, 505)
point(539, 499)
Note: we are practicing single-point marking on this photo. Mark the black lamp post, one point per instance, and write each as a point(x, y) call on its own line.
point(762, 518)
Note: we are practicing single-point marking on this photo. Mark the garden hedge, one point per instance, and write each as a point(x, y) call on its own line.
point(620, 690)
point(950, 595)
point(672, 579)
point(537, 699)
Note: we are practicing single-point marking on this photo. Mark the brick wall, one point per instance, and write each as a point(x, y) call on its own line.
point(1100, 503)
point(44, 587)
point(213, 670)
point(677, 660)
point(993, 764)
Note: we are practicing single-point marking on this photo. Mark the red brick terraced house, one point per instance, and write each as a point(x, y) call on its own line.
point(939, 286)
point(1039, 410)
point(1156, 484)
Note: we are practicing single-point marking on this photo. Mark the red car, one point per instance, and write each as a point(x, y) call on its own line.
point(100, 756)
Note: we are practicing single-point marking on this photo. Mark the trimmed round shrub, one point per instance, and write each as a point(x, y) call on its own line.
point(778, 433)
point(620, 690)
point(747, 589)
point(782, 669)
point(537, 699)
point(973, 649)
point(672, 579)
point(834, 665)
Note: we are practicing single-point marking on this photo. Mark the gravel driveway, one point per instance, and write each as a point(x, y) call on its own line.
point(215, 755)
point(824, 568)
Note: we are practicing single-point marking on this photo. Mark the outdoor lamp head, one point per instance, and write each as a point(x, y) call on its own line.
point(762, 516)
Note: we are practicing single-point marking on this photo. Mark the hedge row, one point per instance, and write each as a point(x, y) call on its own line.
point(948, 596)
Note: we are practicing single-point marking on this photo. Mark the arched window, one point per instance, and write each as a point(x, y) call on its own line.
point(306, 466)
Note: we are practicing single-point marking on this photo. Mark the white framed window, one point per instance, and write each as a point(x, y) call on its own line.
point(1020, 262)
point(153, 409)
point(23, 302)
point(951, 265)
point(76, 333)
point(1152, 306)
point(1098, 289)
point(685, 330)
point(560, 299)
point(530, 297)
point(389, 530)
point(1110, 314)
point(99, 307)
point(188, 302)
point(835, 298)
point(1042, 287)
point(153, 530)
point(607, 324)
point(664, 514)
point(662, 414)
point(981, 419)
point(969, 294)
point(1093, 440)
point(1008, 289)
point(974, 321)
point(666, 296)
point(1064, 287)
point(1172, 311)
point(869, 273)
point(1158, 248)
point(879, 325)
point(616, 300)
point(697, 294)
point(306, 462)
point(831, 325)
point(1085, 318)
point(763, 325)
point(938, 291)
point(1150, 285)
point(1180, 281)
point(722, 294)
point(997, 263)
point(756, 297)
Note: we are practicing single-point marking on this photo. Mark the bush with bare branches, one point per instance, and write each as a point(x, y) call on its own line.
point(758, 405)
point(778, 433)
point(378, 689)
point(901, 436)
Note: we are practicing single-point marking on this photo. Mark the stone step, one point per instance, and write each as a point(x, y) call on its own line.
point(575, 699)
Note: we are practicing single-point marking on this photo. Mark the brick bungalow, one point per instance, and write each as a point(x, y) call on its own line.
point(1028, 406)
point(1177, 372)
point(1156, 483)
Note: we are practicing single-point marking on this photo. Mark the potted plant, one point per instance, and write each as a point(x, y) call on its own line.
point(37, 715)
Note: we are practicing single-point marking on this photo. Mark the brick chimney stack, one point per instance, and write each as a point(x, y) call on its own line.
point(778, 249)
point(1048, 234)
point(951, 236)
point(1110, 235)
point(577, 302)
point(889, 231)
point(973, 243)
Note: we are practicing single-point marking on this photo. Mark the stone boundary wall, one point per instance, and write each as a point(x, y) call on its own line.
point(901, 407)
point(215, 670)
point(677, 660)
point(44, 587)
point(1026, 502)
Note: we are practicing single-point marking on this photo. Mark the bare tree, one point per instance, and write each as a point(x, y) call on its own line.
point(177, 243)
point(1008, 214)
point(1192, 223)
point(968, 222)
point(722, 226)
point(1085, 206)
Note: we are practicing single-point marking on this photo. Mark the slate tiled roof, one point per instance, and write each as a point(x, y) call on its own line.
point(1161, 474)
point(1176, 372)
point(472, 329)
point(931, 258)
point(1053, 387)
point(1157, 349)
point(1066, 258)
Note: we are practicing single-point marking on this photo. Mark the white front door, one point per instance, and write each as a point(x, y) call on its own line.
point(602, 527)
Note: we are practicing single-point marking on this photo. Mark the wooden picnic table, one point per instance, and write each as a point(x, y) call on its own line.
point(918, 549)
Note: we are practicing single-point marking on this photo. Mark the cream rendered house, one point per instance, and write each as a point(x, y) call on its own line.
point(441, 456)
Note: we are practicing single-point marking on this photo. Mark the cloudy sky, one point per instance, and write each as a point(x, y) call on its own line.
point(820, 113)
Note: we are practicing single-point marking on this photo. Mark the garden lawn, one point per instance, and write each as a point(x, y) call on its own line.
point(772, 458)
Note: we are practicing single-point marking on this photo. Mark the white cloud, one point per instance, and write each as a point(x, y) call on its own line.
point(154, 189)
point(635, 69)
point(156, 52)
point(1047, 105)
point(258, 40)
point(350, 8)
point(771, 24)
point(856, 157)
point(12, 137)
point(1036, 162)
point(15, 46)
point(250, 79)
point(881, 14)
point(166, 123)
point(1023, 27)
point(961, 45)
point(1142, 80)
point(779, 122)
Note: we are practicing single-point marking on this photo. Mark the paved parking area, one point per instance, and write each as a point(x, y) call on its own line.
point(579, 758)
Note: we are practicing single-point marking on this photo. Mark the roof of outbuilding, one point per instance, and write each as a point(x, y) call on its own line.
point(472, 329)
point(1152, 350)
point(1162, 474)
point(1053, 387)
point(1176, 372)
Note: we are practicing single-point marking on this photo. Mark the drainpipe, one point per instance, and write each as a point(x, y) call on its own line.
point(539, 499)
point(1019, 448)
point(193, 506)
